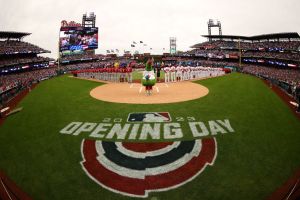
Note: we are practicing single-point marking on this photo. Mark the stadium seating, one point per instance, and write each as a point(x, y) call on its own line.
point(20, 65)
point(290, 76)
point(12, 61)
point(220, 44)
point(81, 57)
point(275, 57)
point(288, 50)
point(17, 47)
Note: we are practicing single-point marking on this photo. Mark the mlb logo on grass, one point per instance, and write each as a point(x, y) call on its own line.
point(149, 117)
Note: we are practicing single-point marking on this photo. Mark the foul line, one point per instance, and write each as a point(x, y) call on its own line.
point(140, 89)
point(5, 189)
point(293, 189)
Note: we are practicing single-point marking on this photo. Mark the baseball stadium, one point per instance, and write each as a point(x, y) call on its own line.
point(220, 120)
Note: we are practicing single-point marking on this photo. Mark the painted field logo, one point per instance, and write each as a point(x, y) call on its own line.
point(146, 164)
point(135, 169)
point(149, 117)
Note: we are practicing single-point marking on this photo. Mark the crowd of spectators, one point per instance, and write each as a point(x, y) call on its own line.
point(79, 66)
point(14, 47)
point(96, 64)
point(76, 57)
point(11, 85)
point(19, 61)
point(15, 53)
point(211, 63)
point(225, 49)
point(290, 76)
point(215, 53)
point(285, 45)
point(11, 80)
point(273, 55)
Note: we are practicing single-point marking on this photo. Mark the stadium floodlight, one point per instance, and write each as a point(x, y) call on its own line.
point(173, 45)
point(214, 23)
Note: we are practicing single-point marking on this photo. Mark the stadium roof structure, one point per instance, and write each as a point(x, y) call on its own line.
point(12, 34)
point(289, 35)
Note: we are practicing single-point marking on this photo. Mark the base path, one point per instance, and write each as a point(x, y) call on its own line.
point(134, 93)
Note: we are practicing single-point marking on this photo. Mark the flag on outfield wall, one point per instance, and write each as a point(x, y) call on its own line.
point(145, 44)
point(150, 48)
point(134, 42)
point(107, 51)
point(112, 51)
point(141, 41)
point(117, 50)
point(132, 45)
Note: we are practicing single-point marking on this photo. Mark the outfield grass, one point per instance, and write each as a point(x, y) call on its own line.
point(251, 163)
point(137, 75)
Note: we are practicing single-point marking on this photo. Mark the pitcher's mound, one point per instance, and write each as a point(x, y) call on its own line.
point(162, 93)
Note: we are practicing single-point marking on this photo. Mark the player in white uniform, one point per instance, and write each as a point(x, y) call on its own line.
point(173, 73)
point(192, 73)
point(187, 73)
point(222, 72)
point(178, 73)
point(198, 72)
point(215, 72)
point(209, 74)
point(182, 73)
point(167, 73)
point(201, 72)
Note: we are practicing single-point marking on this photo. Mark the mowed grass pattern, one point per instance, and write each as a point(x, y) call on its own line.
point(251, 162)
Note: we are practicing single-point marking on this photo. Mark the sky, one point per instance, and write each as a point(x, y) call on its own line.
point(121, 22)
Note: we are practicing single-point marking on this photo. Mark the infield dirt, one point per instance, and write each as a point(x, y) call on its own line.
point(134, 93)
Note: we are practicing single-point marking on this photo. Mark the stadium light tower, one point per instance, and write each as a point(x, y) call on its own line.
point(173, 45)
point(89, 20)
point(212, 24)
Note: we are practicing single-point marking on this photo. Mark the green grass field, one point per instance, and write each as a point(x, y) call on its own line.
point(137, 75)
point(252, 162)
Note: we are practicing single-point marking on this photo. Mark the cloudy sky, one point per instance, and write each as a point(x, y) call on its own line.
point(153, 21)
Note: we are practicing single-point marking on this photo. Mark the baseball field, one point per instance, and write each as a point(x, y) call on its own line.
point(255, 140)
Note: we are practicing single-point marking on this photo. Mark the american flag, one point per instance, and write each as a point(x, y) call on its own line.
point(85, 47)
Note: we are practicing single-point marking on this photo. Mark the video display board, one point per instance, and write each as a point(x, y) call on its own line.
point(77, 39)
